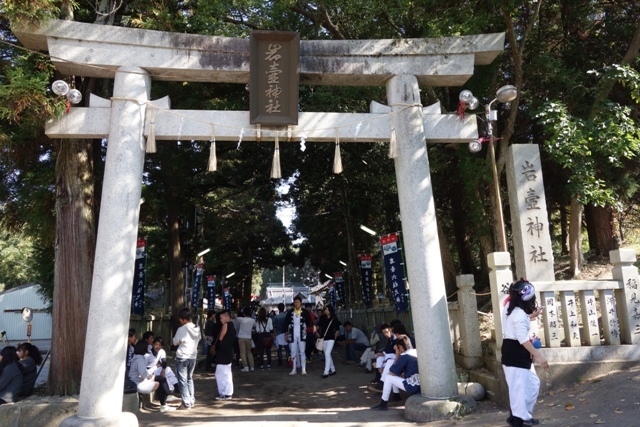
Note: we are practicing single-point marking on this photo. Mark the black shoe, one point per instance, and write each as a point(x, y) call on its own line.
point(381, 407)
point(396, 397)
point(515, 421)
point(531, 422)
point(368, 371)
point(324, 376)
point(332, 373)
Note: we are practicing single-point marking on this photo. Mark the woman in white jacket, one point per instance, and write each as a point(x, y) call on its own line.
point(145, 379)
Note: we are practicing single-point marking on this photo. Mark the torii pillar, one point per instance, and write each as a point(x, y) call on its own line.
point(100, 394)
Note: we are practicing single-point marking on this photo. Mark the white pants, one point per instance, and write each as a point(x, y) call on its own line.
point(524, 386)
point(298, 356)
point(392, 383)
point(224, 379)
point(385, 371)
point(382, 360)
point(327, 347)
point(367, 357)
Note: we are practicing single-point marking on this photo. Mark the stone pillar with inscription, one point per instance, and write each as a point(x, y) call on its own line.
point(529, 218)
point(531, 235)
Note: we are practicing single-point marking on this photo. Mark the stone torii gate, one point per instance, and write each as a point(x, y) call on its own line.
point(135, 57)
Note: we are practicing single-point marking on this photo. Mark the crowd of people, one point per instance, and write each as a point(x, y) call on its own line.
point(300, 335)
point(18, 371)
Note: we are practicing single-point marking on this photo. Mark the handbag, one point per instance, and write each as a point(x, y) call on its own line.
point(320, 341)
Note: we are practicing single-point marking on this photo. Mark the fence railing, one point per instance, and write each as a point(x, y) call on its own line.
point(578, 313)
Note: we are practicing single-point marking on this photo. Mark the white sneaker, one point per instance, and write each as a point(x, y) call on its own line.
point(165, 408)
point(292, 372)
point(173, 399)
point(304, 372)
point(251, 369)
point(245, 369)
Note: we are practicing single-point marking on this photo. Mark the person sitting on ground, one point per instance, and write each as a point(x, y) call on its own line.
point(11, 379)
point(400, 329)
point(30, 359)
point(355, 340)
point(378, 342)
point(403, 375)
point(148, 337)
point(158, 359)
point(132, 339)
point(145, 379)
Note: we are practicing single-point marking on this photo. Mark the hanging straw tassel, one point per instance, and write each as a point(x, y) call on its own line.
point(213, 160)
point(337, 159)
point(275, 167)
point(393, 143)
point(151, 139)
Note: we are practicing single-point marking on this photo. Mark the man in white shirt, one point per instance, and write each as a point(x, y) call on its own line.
point(187, 338)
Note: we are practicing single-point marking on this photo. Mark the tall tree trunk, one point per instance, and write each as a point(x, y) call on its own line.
point(448, 267)
point(601, 229)
point(74, 253)
point(575, 237)
point(564, 230)
point(175, 256)
point(354, 285)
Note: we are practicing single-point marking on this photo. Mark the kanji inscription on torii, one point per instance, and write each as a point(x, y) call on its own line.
point(529, 217)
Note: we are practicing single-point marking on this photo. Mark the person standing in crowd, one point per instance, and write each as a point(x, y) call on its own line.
point(328, 329)
point(519, 354)
point(311, 335)
point(296, 323)
point(225, 336)
point(209, 337)
point(403, 374)
point(245, 327)
point(11, 379)
point(355, 340)
point(30, 359)
point(186, 338)
point(146, 380)
point(264, 329)
point(280, 331)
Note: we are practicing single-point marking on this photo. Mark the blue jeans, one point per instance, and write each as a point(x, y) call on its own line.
point(352, 348)
point(184, 372)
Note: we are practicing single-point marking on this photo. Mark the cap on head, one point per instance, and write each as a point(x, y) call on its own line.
point(524, 289)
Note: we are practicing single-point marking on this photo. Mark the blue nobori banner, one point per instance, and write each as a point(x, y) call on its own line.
point(226, 299)
point(366, 275)
point(332, 294)
point(197, 284)
point(139, 275)
point(339, 279)
point(211, 292)
point(394, 270)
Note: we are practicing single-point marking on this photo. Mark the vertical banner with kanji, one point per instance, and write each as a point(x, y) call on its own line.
point(226, 299)
point(339, 279)
point(197, 284)
point(211, 292)
point(137, 299)
point(394, 270)
point(365, 273)
point(332, 295)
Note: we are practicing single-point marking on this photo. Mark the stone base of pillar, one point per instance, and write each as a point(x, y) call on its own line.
point(123, 419)
point(422, 410)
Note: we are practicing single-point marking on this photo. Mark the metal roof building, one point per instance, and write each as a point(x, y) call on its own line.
point(11, 304)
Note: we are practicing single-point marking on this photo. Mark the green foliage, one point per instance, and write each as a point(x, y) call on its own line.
point(17, 257)
point(24, 12)
point(594, 149)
